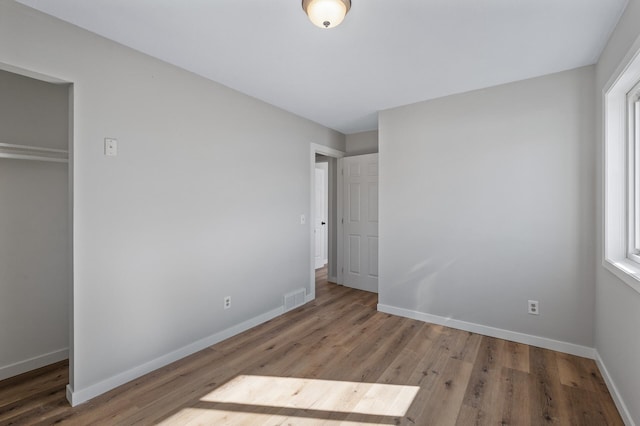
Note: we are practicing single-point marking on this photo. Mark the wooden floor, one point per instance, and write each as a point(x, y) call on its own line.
point(337, 361)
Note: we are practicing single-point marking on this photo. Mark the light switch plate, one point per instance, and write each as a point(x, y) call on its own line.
point(110, 147)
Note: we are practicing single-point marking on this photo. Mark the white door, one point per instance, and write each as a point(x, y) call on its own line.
point(321, 213)
point(360, 216)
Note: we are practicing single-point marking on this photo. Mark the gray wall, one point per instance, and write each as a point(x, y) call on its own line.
point(618, 305)
point(34, 232)
point(33, 112)
point(362, 143)
point(205, 197)
point(203, 201)
point(486, 201)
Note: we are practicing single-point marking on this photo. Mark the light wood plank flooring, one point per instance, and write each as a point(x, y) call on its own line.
point(337, 361)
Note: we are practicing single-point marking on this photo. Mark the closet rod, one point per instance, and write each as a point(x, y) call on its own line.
point(27, 152)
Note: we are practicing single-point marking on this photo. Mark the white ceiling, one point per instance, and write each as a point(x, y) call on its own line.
point(386, 53)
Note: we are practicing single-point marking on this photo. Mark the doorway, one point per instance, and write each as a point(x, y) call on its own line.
point(325, 158)
point(35, 220)
point(321, 214)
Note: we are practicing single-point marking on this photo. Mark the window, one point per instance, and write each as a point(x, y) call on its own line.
point(621, 104)
point(633, 154)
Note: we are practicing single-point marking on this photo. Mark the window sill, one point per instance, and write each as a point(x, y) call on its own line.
point(626, 270)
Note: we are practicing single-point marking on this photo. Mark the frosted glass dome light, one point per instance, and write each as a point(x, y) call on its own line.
point(326, 13)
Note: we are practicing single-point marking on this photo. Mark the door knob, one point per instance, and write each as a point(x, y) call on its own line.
point(323, 223)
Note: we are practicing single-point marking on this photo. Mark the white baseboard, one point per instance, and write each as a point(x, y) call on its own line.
point(333, 280)
point(542, 342)
point(613, 390)
point(76, 397)
point(33, 363)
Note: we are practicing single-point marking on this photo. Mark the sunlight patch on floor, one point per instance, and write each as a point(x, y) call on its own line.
point(256, 400)
point(326, 395)
point(198, 416)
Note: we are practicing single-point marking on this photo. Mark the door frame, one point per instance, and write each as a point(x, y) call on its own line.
point(70, 218)
point(329, 152)
point(322, 229)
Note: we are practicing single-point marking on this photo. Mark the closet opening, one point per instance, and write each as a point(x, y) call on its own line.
point(35, 222)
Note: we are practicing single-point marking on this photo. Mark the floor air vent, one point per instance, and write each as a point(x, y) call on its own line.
point(294, 299)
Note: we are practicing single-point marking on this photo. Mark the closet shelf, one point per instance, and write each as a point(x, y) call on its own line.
point(26, 152)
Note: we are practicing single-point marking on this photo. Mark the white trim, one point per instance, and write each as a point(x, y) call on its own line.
point(69, 393)
point(617, 75)
point(613, 390)
point(340, 219)
point(615, 169)
point(71, 204)
point(325, 255)
point(329, 152)
point(76, 397)
point(527, 339)
point(31, 74)
point(626, 271)
point(33, 363)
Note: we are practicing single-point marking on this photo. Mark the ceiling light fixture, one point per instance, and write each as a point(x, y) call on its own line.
point(326, 13)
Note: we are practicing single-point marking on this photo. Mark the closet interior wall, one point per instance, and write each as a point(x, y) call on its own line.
point(34, 223)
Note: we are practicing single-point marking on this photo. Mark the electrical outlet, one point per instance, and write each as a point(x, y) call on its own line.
point(227, 302)
point(110, 147)
point(534, 309)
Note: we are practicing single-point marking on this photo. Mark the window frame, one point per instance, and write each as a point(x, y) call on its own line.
point(621, 256)
point(633, 172)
